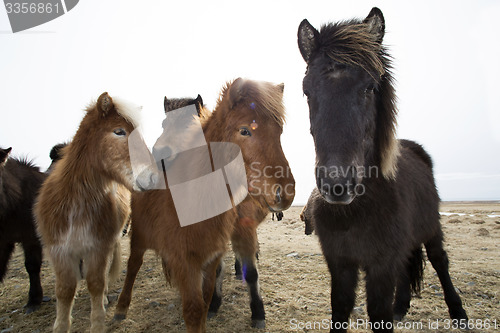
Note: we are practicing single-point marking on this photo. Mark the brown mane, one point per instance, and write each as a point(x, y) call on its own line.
point(267, 97)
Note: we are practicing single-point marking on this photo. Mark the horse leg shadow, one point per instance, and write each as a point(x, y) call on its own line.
point(33, 263)
point(439, 260)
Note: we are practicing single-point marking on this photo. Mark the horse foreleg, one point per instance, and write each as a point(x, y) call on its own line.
point(344, 280)
point(33, 263)
point(409, 279)
point(65, 293)
point(194, 308)
point(245, 246)
point(380, 284)
point(96, 282)
point(251, 276)
point(134, 264)
point(403, 296)
point(238, 271)
point(216, 300)
point(211, 272)
point(439, 260)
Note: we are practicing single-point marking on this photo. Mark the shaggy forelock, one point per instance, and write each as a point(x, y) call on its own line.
point(350, 42)
point(128, 110)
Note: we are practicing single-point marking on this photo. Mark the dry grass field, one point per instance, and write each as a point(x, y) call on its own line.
point(294, 282)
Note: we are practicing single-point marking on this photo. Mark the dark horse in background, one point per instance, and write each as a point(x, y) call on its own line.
point(376, 202)
point(20, 181)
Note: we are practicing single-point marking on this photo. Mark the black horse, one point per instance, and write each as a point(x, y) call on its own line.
point(20, 181)
point(376, 202)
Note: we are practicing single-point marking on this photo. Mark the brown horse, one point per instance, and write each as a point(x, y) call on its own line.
point(191, 254)
point(244, 238)
point(84, 204)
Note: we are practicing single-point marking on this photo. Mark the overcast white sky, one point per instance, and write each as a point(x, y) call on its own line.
point(446, 65)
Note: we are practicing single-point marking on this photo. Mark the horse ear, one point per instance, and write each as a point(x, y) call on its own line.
point(307, 37)
point(281, 87)
point(56, 152)
point(199, 100)
point(235, 92)
point(4, 154)
point(376, 23)
point(104, 104)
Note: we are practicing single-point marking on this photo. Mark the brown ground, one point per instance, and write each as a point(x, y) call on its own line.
point(294, 283)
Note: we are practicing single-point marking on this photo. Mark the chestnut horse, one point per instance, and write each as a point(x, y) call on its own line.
point(244, 239)
point(191, 254)
point(84, 204)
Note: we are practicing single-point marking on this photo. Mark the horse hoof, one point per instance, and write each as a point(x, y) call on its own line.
point(32, 308)
point(259, 323)
point(211, 314)
point(119, 317)
point(46, 299)
point(239, 276)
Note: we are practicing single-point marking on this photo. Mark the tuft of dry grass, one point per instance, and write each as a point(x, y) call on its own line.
point(294, 279)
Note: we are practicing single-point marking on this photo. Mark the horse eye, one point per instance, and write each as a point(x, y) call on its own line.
point(120, 132)
point(369, 90)
point(245, 131)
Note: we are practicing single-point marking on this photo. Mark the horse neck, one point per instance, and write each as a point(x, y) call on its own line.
point(78, 172)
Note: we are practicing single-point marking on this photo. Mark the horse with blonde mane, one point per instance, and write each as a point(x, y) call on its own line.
point(84, 203)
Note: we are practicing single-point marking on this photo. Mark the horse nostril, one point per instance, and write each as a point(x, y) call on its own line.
point(278, 195)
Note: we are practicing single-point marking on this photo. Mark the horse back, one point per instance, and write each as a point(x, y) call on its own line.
point(416, 191)
point(21, 181)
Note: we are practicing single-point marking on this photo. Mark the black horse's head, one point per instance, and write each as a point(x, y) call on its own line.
point(351, 104)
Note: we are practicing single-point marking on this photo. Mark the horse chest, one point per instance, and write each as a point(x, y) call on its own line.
point(359, 240)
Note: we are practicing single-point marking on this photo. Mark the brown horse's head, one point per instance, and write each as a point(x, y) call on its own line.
point(251, 114)
point(102, 142)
